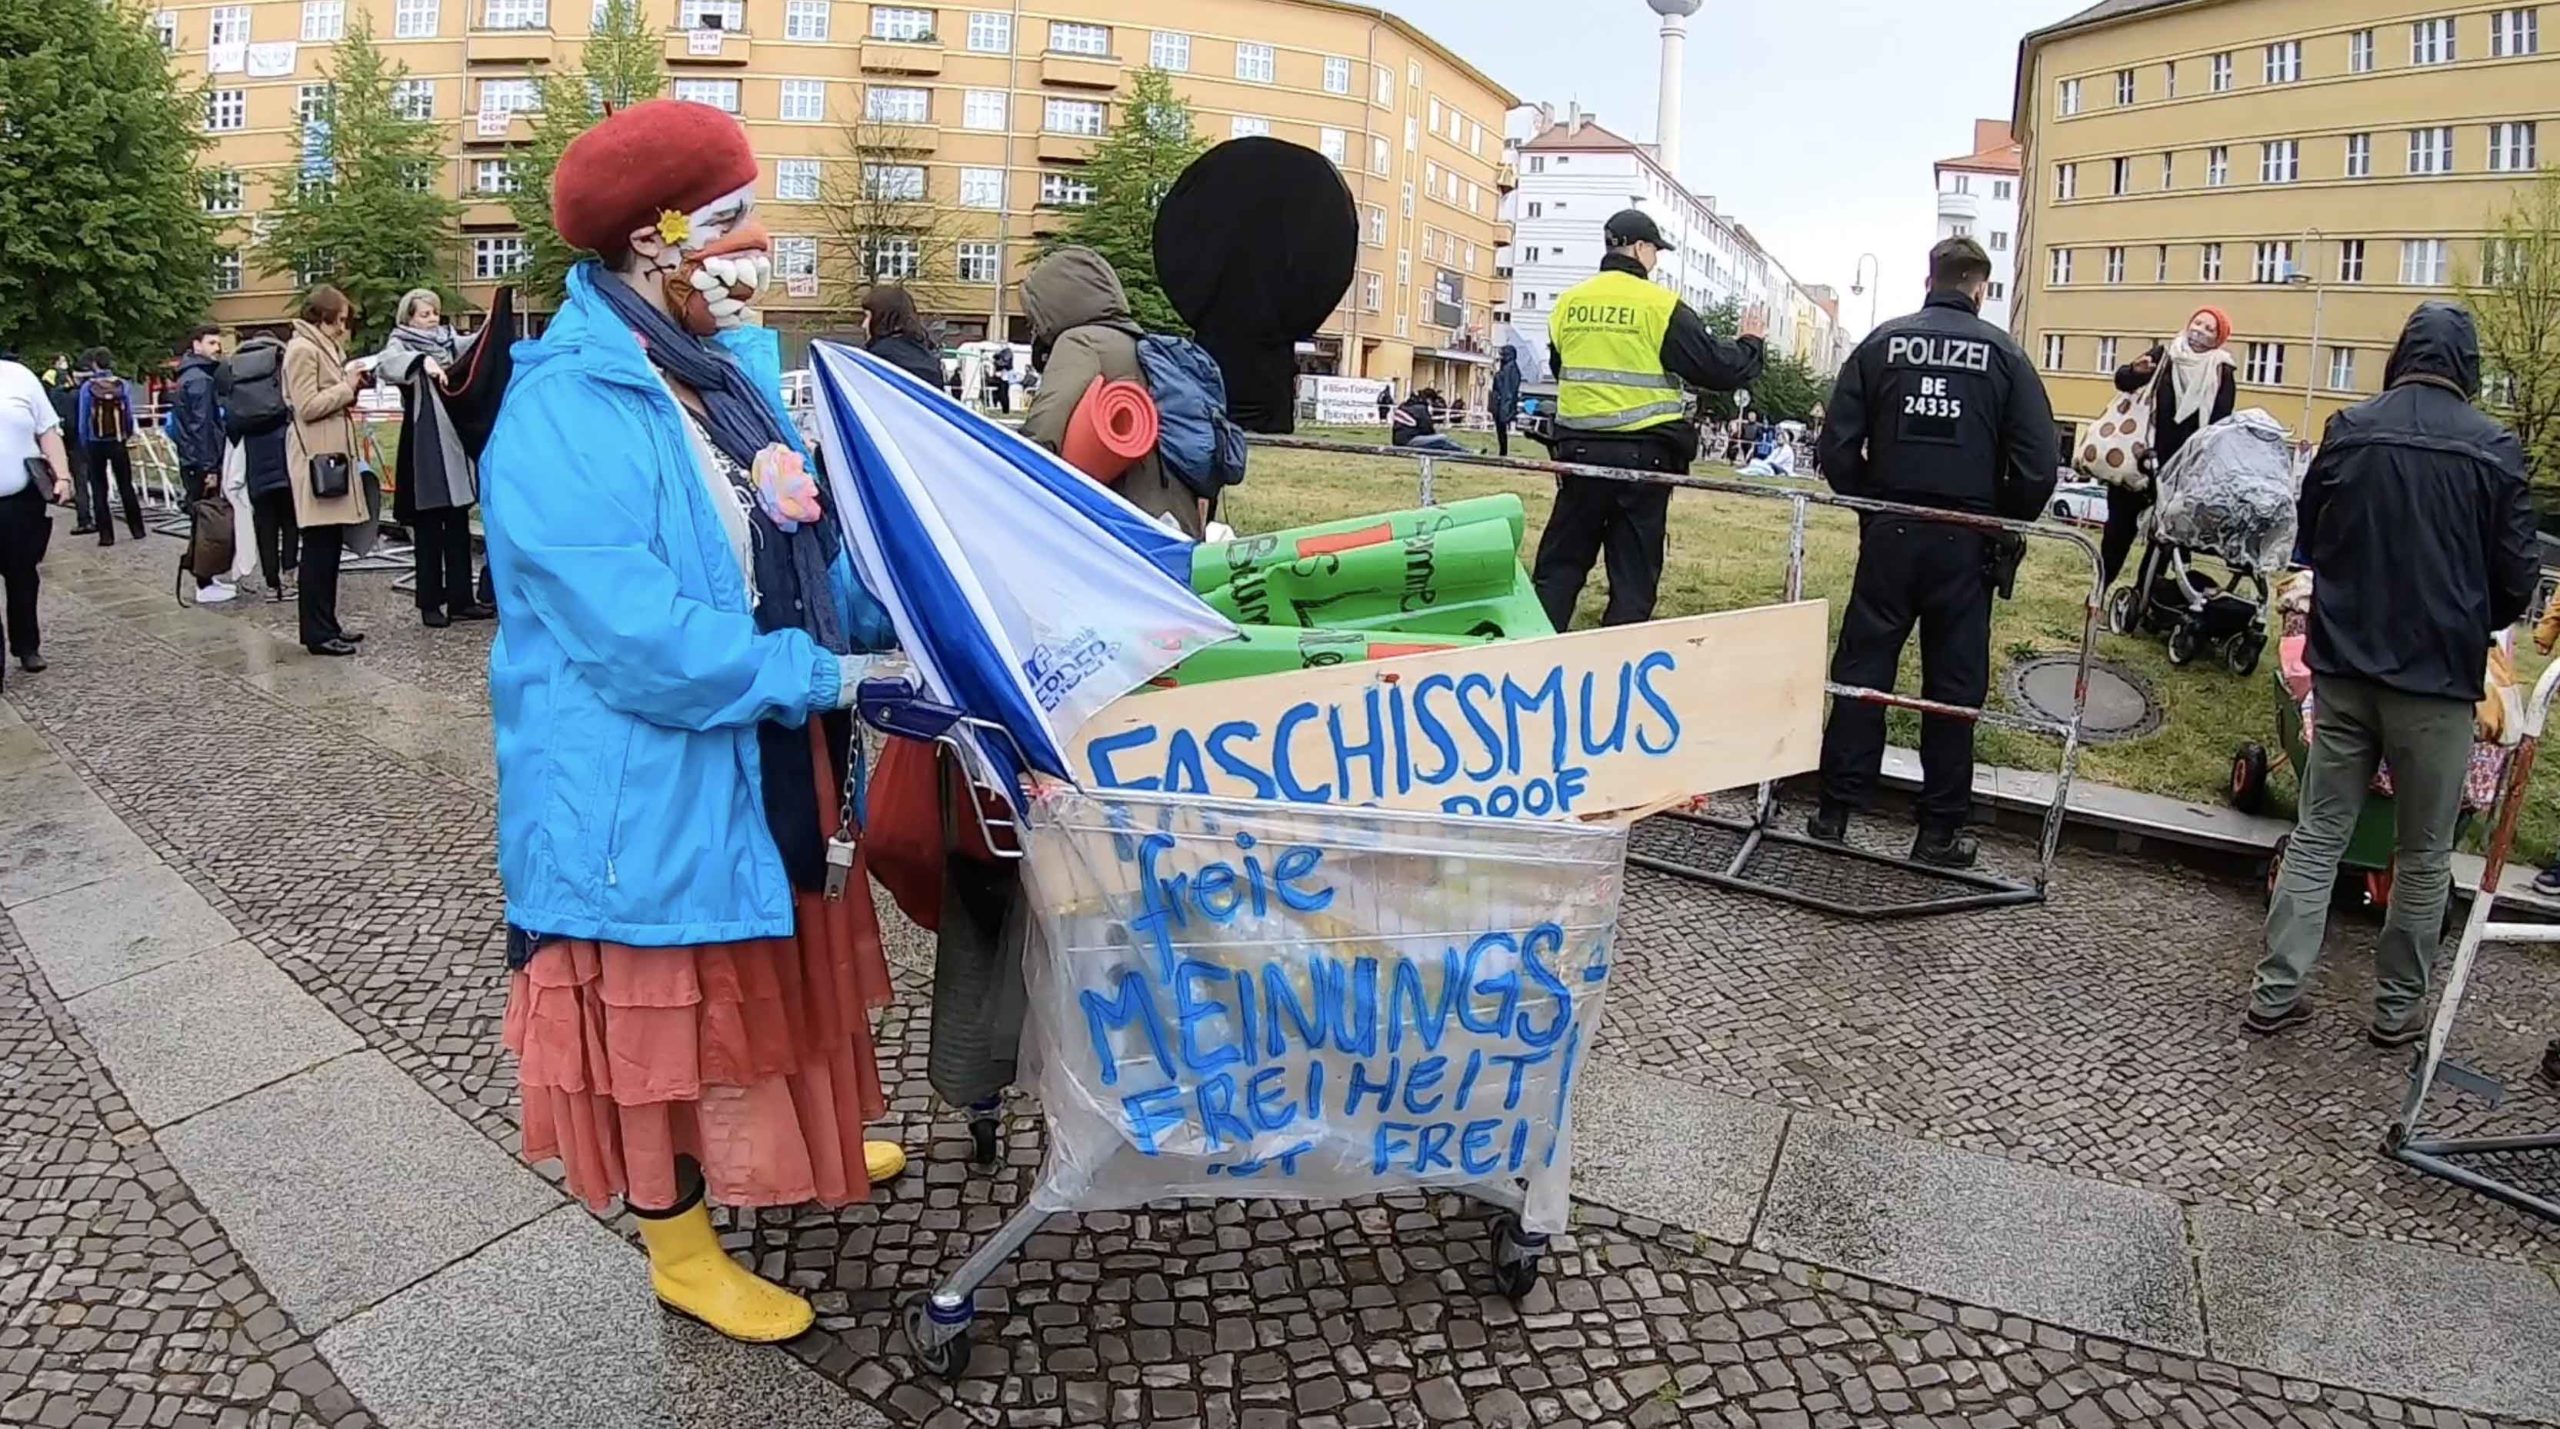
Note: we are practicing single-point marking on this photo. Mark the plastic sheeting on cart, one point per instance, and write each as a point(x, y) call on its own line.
point(1244, 1000)
point(2230, 491)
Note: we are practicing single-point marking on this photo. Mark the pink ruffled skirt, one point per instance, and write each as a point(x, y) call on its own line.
point(753, 1058)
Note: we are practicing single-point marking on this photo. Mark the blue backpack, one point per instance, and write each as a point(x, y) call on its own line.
point(1194, 438)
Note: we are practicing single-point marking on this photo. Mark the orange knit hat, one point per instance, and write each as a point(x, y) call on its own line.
point(2221, 323)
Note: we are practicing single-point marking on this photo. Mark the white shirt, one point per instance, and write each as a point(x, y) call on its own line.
point(26, 413)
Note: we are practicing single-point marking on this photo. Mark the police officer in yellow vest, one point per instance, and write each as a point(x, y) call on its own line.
point(1622, 346)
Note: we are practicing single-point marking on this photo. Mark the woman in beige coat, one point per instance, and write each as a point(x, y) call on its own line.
point(321, 389)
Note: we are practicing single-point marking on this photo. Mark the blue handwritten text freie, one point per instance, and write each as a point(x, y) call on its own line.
point(1451, 1061)
point(1505, 746)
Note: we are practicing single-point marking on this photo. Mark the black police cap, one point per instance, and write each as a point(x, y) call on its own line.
point(1634, 225)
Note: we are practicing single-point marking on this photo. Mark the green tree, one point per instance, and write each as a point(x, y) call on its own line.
point(624, 63)
point(1132, 170)
point(362, 211)
point(1789, 389)
point(1724, 320)
point(108, 239)
point(2515, 297)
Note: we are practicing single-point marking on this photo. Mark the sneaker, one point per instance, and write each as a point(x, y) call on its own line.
point(216, 593)
point(84, 530)
point(475, 611)
point(1828, 824)
point(2265, 1024)
point(278, 593)
point(1946, 848)
point(2547, 882)
point(332, 647)
point(2390, 1038)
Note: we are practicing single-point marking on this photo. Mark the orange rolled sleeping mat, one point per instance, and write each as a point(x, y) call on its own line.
point(1114, 425)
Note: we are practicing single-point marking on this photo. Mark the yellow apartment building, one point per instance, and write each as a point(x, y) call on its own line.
point(992, 112)
point(2317, 168)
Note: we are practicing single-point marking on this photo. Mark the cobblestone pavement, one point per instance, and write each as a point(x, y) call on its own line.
point(120, 1302)
point(367, 873)
point(2098, 1034)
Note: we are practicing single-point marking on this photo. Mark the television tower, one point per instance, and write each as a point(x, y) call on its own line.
point(1675, 38)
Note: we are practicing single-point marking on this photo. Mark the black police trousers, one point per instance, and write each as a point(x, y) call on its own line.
point(1934, 575)
point(1593, 515)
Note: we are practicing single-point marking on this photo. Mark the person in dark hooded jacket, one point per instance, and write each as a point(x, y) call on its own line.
point(1506, 399)
point(2421, 542)
point(1081, 333)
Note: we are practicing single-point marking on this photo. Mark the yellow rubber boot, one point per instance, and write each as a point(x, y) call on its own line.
point(884, 1160)
point(696, 1278)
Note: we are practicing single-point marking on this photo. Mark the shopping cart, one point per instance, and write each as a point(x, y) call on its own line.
point(1249, 1000)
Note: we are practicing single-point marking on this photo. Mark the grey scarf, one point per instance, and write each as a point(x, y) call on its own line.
point(439, 472)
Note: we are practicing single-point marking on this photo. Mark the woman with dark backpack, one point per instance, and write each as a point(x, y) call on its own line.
point(251, 387)
point(2192, 387)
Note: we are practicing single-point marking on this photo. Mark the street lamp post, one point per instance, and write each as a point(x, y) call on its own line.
point(2319, 308)
point(1867, 262)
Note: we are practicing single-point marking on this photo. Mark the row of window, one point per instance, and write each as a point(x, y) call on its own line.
point(2262, 364)
point(2002, 190)
point(794, 181)
point(2424, 263)
point(2513, 34)
point(2513, 147)
point(988, 32)
point(495, 257)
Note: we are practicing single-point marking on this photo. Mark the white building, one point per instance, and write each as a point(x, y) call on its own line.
point(1573, 175)
point(1978, 198)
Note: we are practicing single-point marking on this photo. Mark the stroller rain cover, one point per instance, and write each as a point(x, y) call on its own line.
point(2230, 491)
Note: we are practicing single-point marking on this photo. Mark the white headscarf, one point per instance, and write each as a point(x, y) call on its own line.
point(2195, 377)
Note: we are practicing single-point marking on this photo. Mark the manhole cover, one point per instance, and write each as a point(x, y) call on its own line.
point(2120, 706)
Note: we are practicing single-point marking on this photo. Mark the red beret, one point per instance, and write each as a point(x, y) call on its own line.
point(657, 155)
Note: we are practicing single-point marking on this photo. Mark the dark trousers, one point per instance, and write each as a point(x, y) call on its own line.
point(1593, 515)
point(78, 455)
point(2124, 523)
point(321, 546)
point(1501, 436)
point(115, 457)
point(1930, 574)
point(25, 526)
point(443, 543)
point(279, 538)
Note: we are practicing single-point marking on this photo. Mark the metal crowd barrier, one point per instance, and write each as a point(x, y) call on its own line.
point(1761, 840)
point(2477, 1162)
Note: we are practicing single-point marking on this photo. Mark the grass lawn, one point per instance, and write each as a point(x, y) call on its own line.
point(1726, 552)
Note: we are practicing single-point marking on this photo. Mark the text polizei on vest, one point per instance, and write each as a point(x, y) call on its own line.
point(1964, 354)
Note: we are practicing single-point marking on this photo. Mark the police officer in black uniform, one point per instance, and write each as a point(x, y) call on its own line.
point(1937, 409)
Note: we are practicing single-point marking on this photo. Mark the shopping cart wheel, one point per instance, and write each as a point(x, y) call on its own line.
point(2249, 777)
point(985, 1121)
point(2182, 645)
point(2241, 653)
point(1515, 1257)
point(2120, 612)
point(939, 1338)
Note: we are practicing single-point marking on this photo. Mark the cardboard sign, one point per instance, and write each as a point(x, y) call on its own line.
point(1606, 722)
point(1246, 1000)
point(704, 42)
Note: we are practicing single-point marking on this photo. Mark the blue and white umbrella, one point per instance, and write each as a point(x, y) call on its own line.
point(1027, 595)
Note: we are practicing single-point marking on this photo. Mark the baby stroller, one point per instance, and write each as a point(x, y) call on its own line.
point(2228, 494)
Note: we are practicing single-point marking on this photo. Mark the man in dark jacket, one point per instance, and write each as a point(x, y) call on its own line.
point(1937, 409)
point(1506, 399)
point(1412, 424)
point(62, 387)
point(199, 417)
point(2421, 542)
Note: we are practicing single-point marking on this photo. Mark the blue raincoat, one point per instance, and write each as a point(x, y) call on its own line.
point(628, 674)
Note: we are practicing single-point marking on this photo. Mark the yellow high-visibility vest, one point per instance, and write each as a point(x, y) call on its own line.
point(1608, 334)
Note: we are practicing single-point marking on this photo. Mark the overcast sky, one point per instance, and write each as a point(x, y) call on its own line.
point(1812, 121)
